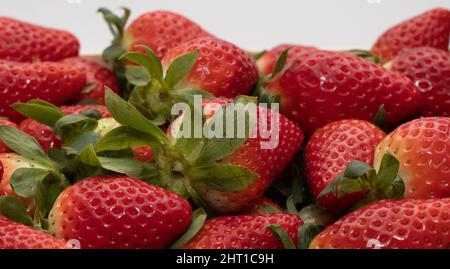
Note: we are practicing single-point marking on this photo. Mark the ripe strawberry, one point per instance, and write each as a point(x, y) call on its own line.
point(10, 162)
point(221, 68)
point(161, 31)
point(82, 109)
point(391, 224)
point(42, 133)
point(3, 147)
point(429, 69)
point(53, 82)
point(244, 232)
point(320, 87)
point(143, 153)
point(25, 42)
point(119, 212)
point(18, 236)
point(421, 146)
point(328, 152)
point(97, 77)
point(263, 206)
point(267, 61)
point(265, 163)
point(431, 28)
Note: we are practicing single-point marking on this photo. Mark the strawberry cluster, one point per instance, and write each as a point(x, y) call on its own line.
point(91, 156)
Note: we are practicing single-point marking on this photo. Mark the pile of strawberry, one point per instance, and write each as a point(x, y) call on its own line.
point(88, 155)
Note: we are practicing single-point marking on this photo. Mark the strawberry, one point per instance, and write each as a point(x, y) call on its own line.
point(98, 76)
point(429, 69)
point(54, 82)
point(221, 68)
point(263, 206)
point(267, 61)
point(390, 224)
point(42, 133)
point(143, 153)
point(244, 232)
point(85, 109)
point(431, 28)
point(421, 146)
point(204, 66)
point(3, 147)
point(328, 152)
point(319, 87)
point(18, 236)
point(25, 42)
point(119, 212)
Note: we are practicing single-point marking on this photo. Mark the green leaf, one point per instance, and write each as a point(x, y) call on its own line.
point(24, 180)
point(380, 118)
point(306, 234)
point(187, 95)
point(356, 169)
point(198, 220)
point(124, 137)
point(365, 54)
point(282, 236)
point(47, 191)
point(137, 75)
point(113, 53)
point(89, 157)
point(126, 114)
point(291, 205)
point(268, 209)
point(92, 113)
point(179, 68)
point(12, 208)
point(24, 145)
point(281, 62)
point(387, 173)
point(58, 156)
point(222, 177)
point(128, 166)
point(258, 55)
point(157, 70)
point(75, 143)
point(40, 112)
point(75, 119)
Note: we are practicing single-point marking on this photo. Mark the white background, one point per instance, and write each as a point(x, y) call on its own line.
point(251, 24)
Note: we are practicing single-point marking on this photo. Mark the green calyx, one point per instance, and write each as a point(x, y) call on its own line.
point(153, 93)
point(365, 54)
point(361, 177)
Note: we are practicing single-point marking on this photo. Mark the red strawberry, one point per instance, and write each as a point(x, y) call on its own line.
point(421, 146)
point(97, 77)
point(143, 153)
point(328, 152)
point(53, 82)
point(244, 232)
point(18, 236)
point(3, 147)
point(10, 162)
point(320, 87)
point(24, 42)
point(263, 206)
point(390, 224)
point(265, 163)
point(429, 69)
point(431, 28)
point(161, 31)
point(221, 68)
point(268, 60)
point(119, 212)
point(42, 133)
point(80, 109)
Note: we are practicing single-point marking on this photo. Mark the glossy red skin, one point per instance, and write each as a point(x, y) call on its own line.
point(109, 212)
point(56, 83)
point(161, 31)
point(3, 147)
point(267, 62)
point(25, 42)
point(429, 69)
point(143, 153)
point(328, 152)
point(222, 68)
point(259, 207)
point(18, 236)
point(422, 148)
point(244, 232)
point(96, 73)
point(78, 109)
point(396, 224)
point(320, 87)
point(42, 133)
point(431, 28)
point(266, 163)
